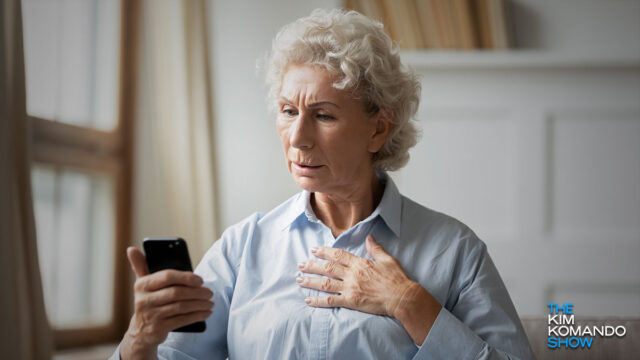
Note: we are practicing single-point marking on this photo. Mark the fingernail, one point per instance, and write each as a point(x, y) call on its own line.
point(299, 280)
point(301, 265)
point(307, 301)
point(314, 249)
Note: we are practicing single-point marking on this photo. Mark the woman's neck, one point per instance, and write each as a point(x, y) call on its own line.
point(342, 211)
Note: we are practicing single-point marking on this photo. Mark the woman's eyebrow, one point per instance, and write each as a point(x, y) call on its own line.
point(315, 104)
point(284, 99)
point(320, 103)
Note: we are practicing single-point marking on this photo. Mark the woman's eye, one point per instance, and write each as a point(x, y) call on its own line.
point(289, 112)
point(325, 117)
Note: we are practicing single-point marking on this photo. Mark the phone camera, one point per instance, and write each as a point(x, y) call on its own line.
point(170, 246)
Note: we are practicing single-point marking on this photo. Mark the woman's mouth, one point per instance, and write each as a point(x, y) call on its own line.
point(305, 169)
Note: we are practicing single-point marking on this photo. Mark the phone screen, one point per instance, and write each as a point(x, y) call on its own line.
point(170, 253)
point(167, 253)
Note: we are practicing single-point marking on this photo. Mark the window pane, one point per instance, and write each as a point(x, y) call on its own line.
point(72, 50)
point(74, 214)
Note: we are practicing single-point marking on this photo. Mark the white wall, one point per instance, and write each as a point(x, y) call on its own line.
point(578, 26)
point(524, 137)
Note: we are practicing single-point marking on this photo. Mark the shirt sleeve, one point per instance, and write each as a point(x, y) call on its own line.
point(479, 320)
point(116, 354)
point(218, 269)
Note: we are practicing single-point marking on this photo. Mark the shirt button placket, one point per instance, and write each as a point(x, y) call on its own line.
point(319, 334)
point(320, 317)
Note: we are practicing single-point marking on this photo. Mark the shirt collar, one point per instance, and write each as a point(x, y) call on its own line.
point(295, 209)
point(389, 208)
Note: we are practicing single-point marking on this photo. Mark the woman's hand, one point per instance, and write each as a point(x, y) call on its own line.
point(164, 301)
point(377, 287)
point(374, 287)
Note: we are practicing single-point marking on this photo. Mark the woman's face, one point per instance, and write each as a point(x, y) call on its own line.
point(327, 137)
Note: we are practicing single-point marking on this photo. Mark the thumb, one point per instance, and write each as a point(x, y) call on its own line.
point(374, 249)
point(138, 261)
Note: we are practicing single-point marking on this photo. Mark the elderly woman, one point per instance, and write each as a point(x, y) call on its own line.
point(348, 268)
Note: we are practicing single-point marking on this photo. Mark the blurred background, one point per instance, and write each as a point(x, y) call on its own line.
point(149, 118)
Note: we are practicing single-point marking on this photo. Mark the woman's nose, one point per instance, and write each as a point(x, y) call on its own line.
point(301, 135)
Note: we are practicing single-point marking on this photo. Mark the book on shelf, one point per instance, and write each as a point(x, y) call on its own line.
point(372, 9)
point(498, 21)
point(446, 23)
point(441, 24)
point(404, 23)
point(428, 20)
point(465, 22)
point(483, 24)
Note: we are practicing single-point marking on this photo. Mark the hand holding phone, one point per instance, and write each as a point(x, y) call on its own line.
point(170, 253)
point(164, 301)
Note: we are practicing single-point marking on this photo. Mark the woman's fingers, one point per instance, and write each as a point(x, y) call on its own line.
point(374, 287)
point(181, 308)
point(326, 301)
point(375, 250)
point(322, 284)
point(326, 268)
point(166, 309)
point(138, 261)
point(337, 255)
point(166, 278)
point(177, 293)
point(178, 321)
point(165, 300)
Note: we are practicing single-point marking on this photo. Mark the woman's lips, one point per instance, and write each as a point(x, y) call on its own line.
point(305, 170)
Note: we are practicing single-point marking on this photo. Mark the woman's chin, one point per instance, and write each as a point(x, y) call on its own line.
point(308, 183)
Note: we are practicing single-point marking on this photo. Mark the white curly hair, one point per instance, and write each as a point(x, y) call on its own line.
point(356, 51)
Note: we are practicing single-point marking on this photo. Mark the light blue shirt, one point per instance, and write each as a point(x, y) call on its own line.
point(260, 312)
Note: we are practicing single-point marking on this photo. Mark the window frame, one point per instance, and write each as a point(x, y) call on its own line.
point(105, 152)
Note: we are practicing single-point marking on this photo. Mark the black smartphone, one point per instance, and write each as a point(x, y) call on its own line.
point(170, 253)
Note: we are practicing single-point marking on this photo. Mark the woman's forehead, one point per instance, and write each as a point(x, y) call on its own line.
point(311, 82)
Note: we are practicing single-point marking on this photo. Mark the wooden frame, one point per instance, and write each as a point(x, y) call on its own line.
point(106, 152)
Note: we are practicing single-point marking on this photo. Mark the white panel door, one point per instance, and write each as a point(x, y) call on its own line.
point(544, 165)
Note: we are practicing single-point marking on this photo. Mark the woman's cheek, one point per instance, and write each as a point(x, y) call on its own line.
point(283, 131)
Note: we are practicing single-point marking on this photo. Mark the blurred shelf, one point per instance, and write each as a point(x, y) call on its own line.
point(514, 59)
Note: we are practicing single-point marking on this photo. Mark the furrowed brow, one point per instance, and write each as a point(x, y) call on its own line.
point(320, 103)
point(312, 105)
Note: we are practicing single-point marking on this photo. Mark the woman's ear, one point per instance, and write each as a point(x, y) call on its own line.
point(383, 128)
